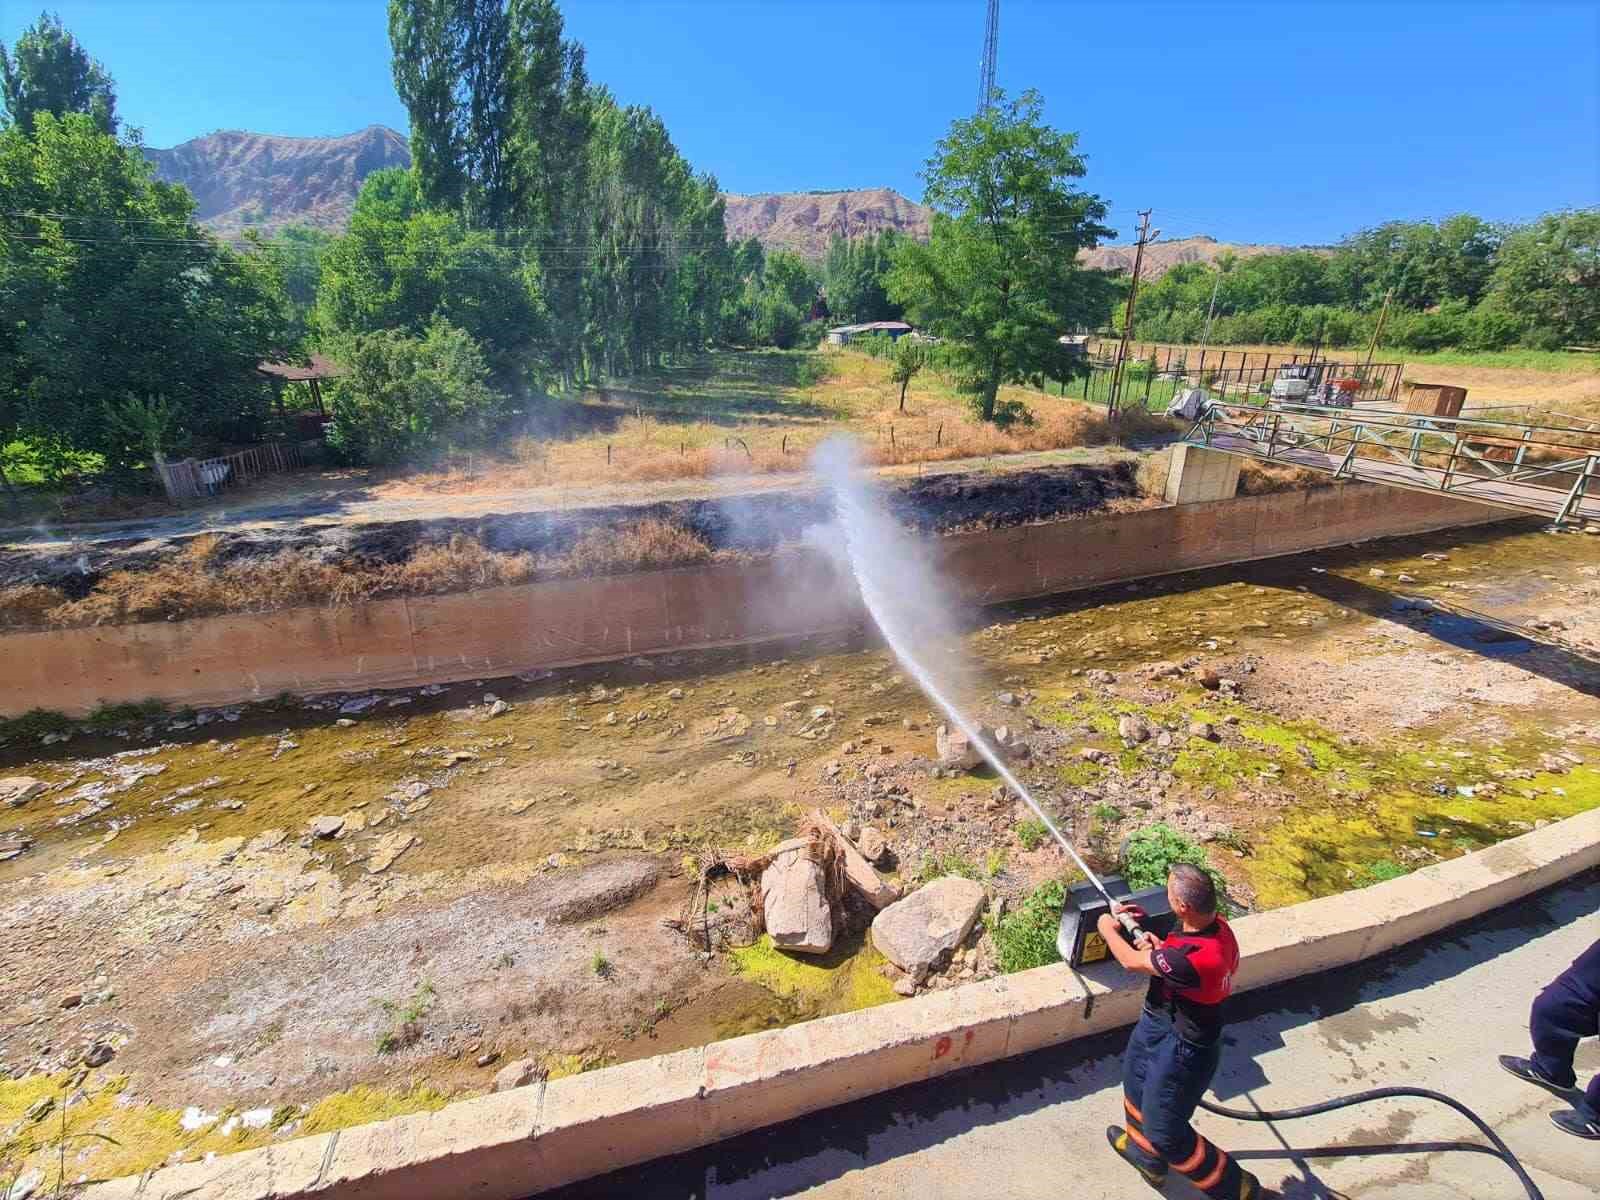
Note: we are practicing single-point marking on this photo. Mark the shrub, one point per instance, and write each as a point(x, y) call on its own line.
point(1153, 849)
point(1031, 833)
point(404, 394)
point(1026, 937)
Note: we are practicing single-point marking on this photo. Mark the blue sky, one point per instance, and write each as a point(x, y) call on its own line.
point(1290, 122)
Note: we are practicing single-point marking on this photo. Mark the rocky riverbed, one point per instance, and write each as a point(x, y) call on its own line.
point(228, 927)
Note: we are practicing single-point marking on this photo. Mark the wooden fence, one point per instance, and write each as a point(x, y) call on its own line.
point(195, 477)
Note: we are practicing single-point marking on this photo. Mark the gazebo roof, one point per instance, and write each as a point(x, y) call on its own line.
point(320, 368)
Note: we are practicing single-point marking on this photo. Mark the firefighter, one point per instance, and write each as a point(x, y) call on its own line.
point(1177, 1044)
point(1563, 1014)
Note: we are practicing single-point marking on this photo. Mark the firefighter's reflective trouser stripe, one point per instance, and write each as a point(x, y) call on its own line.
point(1164, 1077)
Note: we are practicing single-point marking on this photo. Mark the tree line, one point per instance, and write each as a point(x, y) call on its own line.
point(547, 235)
point(1462, 282)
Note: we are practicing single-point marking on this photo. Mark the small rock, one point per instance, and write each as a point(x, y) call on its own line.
point(488, 1058)
point(1378, 573)
point(1435, 556)
point(345, 722)
point(955, 749)
point(873, 846)
point(98, 1055)
point(1203, 730)
point(1132, 729)
point(674, 694)
point(1404, 578)
point(388, 848)
point(1209, 679)
point(519, 1073)
point(17, 790)
point(72, 1000)
point(499, 708)
point(1009, 699)
point(1093, 754)
point(327, 827)
point(1096, 675)
point(24, 1186)
point(609, 719)
point(905, 986)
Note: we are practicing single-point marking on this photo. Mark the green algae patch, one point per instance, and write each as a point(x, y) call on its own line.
point(1332, 846)
point(843, 980)
point(106, 1136)
point(362, 1105)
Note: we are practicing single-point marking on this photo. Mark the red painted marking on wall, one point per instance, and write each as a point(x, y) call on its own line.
point(942, 1048)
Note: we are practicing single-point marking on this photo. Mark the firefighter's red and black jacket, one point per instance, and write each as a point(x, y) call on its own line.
point(1194, 976)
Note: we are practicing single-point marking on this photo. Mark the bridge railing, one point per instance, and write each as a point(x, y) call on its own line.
point(1441, 453)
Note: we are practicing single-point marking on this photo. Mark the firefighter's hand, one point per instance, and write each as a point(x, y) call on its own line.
point(1133, 910)
point(1108, 927)
point(1145, 940)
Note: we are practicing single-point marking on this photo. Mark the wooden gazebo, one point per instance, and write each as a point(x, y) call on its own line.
point(321, 368)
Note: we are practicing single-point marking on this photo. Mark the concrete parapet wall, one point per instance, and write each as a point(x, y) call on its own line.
point(522, 1142)
point(565, 622)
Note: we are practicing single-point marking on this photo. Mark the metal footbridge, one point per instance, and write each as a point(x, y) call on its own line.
point(1538, 466)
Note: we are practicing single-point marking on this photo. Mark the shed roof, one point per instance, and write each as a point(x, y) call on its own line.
point(320, 368)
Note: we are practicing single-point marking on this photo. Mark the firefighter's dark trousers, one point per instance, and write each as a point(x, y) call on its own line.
point(1564, 1013)
point(1163, 1078)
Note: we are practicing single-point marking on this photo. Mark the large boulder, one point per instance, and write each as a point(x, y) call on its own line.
point(17, 790)
point(794, 900)
point(919, 931)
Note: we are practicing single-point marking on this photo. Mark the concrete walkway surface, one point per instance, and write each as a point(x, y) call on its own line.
point(1433, 1014)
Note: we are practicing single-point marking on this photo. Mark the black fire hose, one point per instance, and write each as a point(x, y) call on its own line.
point(1496, 1146)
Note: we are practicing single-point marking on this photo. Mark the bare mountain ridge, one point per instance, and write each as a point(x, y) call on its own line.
point(805, 222)
point(261, 181)
point(244, 180)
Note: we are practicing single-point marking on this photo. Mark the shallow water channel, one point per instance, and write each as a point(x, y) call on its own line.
point(1393, 708)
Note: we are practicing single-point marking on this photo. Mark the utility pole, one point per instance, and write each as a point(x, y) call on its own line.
point(1377, 332)
point(1146, 236)
point(991, 41)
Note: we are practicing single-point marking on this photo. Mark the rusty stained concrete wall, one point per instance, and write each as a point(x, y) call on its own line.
point(560, 623)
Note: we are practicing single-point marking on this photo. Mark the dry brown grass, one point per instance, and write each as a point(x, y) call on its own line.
point(775, 432)
point(646, 545)
point(1263, 479)
point(1153, 472)
point(192, 583)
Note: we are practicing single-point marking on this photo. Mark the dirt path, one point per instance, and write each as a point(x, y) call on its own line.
point(350, 498)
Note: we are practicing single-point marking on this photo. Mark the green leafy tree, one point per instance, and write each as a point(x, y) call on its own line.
point(1547, 278)
point(402, 395)
point(910, 356)
point(48, 71)
point(403, 267)
point(998, 277)
point(148, 304)
point(791, 277)
point(855, 275)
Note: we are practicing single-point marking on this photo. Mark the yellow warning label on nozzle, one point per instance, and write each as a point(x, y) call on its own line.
point(1094, 948)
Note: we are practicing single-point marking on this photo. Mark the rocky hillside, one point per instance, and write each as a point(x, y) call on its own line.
point(1161, 257)
point(261, 181)
point(806, 221)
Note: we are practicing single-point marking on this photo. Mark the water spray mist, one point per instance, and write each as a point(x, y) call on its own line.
point(907, 601)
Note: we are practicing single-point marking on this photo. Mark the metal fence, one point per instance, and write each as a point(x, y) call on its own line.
point(1153, 373)
point(191, 478)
